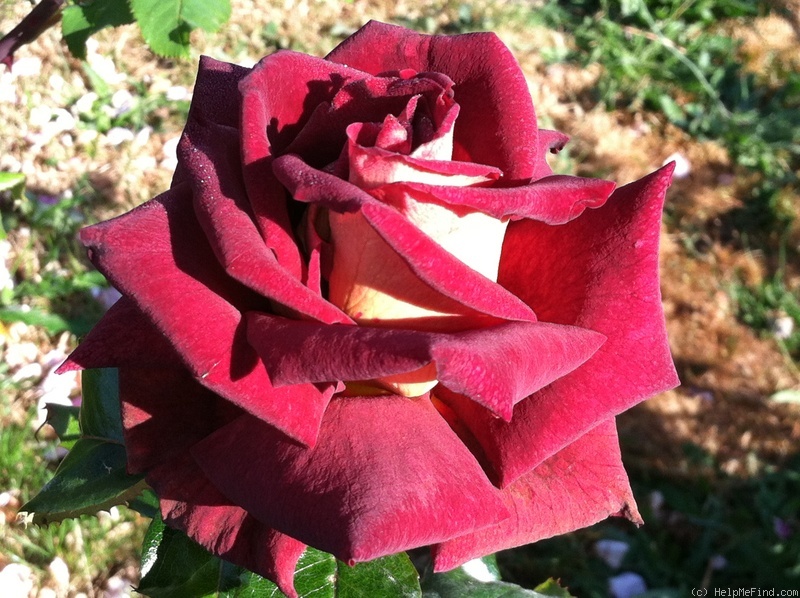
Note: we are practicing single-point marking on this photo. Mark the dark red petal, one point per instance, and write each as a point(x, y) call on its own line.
point(497, 123)
point(583, 483)
point(600, 272)
point(158, 256)
point(553, 199)
point(124, 336)
point(495, 366)
point(210, 156)
point(364, 100)
point(278, 97)
point(368, 164)
point(432, 264)
point(190, 503)
point(386, 475)
point(215, 99)
point(164, 413)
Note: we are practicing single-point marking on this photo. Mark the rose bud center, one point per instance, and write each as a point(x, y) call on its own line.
point(369, 280)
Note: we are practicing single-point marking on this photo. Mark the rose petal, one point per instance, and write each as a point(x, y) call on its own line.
point(192, 301)
point(599, 271)
point(110, 343)
point(580, 485)
point(497, 124)
point(215, 99)
point(277, 99)
point(152, 402)
point(366, 99)
point(222, 208)
point(553, 199)
point(373, 166)
point(495, 366)
point(430, 263)
point(386, 475)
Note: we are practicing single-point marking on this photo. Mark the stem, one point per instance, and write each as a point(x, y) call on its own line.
point(43, 16)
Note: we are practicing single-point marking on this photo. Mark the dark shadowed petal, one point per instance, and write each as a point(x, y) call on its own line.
point(124, 337)
point(599, 271)
point(497, 123)
point(215, 98)
point(387, 474)
point(158, 256)
point(278, 98)
point(580, 485)
point(554, 199)
point(164, 413)
point(210, 156)
point(495, 366)
point(364, 100)
point(429, 262)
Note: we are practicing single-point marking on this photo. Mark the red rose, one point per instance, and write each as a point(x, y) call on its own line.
point(366, 317)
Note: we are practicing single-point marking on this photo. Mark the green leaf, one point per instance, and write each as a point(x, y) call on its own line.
point(65, 421)
point(174, 566)
point(14, 182)
point(460, 583)
point(80, 21)
point(145, 504)
point(208, 15)
point(166, 24)
point(91, 478)
point(552, 588)
point(100, 414)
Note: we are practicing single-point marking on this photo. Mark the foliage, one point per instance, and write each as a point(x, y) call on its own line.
point(165, 24)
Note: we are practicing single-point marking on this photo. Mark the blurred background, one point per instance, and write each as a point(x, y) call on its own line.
point(711, 84)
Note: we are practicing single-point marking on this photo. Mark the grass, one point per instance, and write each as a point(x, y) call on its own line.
point(671, 62)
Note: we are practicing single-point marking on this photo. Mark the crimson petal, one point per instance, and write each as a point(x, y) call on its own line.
point(386, 475)
point(110, 343)
point(275, 100)
point(222, 208)
point(158, 256)
point(152, 401)
point(497, 125)
point(580, 485)
point(599, 271)
point(496, 366)
point(553, 199)
point(432, 264)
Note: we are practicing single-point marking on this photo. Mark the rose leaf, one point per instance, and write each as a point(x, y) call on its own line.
point(166, 24)
point(100, 415)
point(174, 566)
point(80, 21)
point(65, 421)
point(91, 478)
point(93, 475)
point(480, 578)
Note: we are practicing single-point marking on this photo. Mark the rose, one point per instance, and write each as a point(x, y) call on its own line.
point(366, 317)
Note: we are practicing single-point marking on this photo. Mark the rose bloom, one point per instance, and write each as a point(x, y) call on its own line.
point(367, 317)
